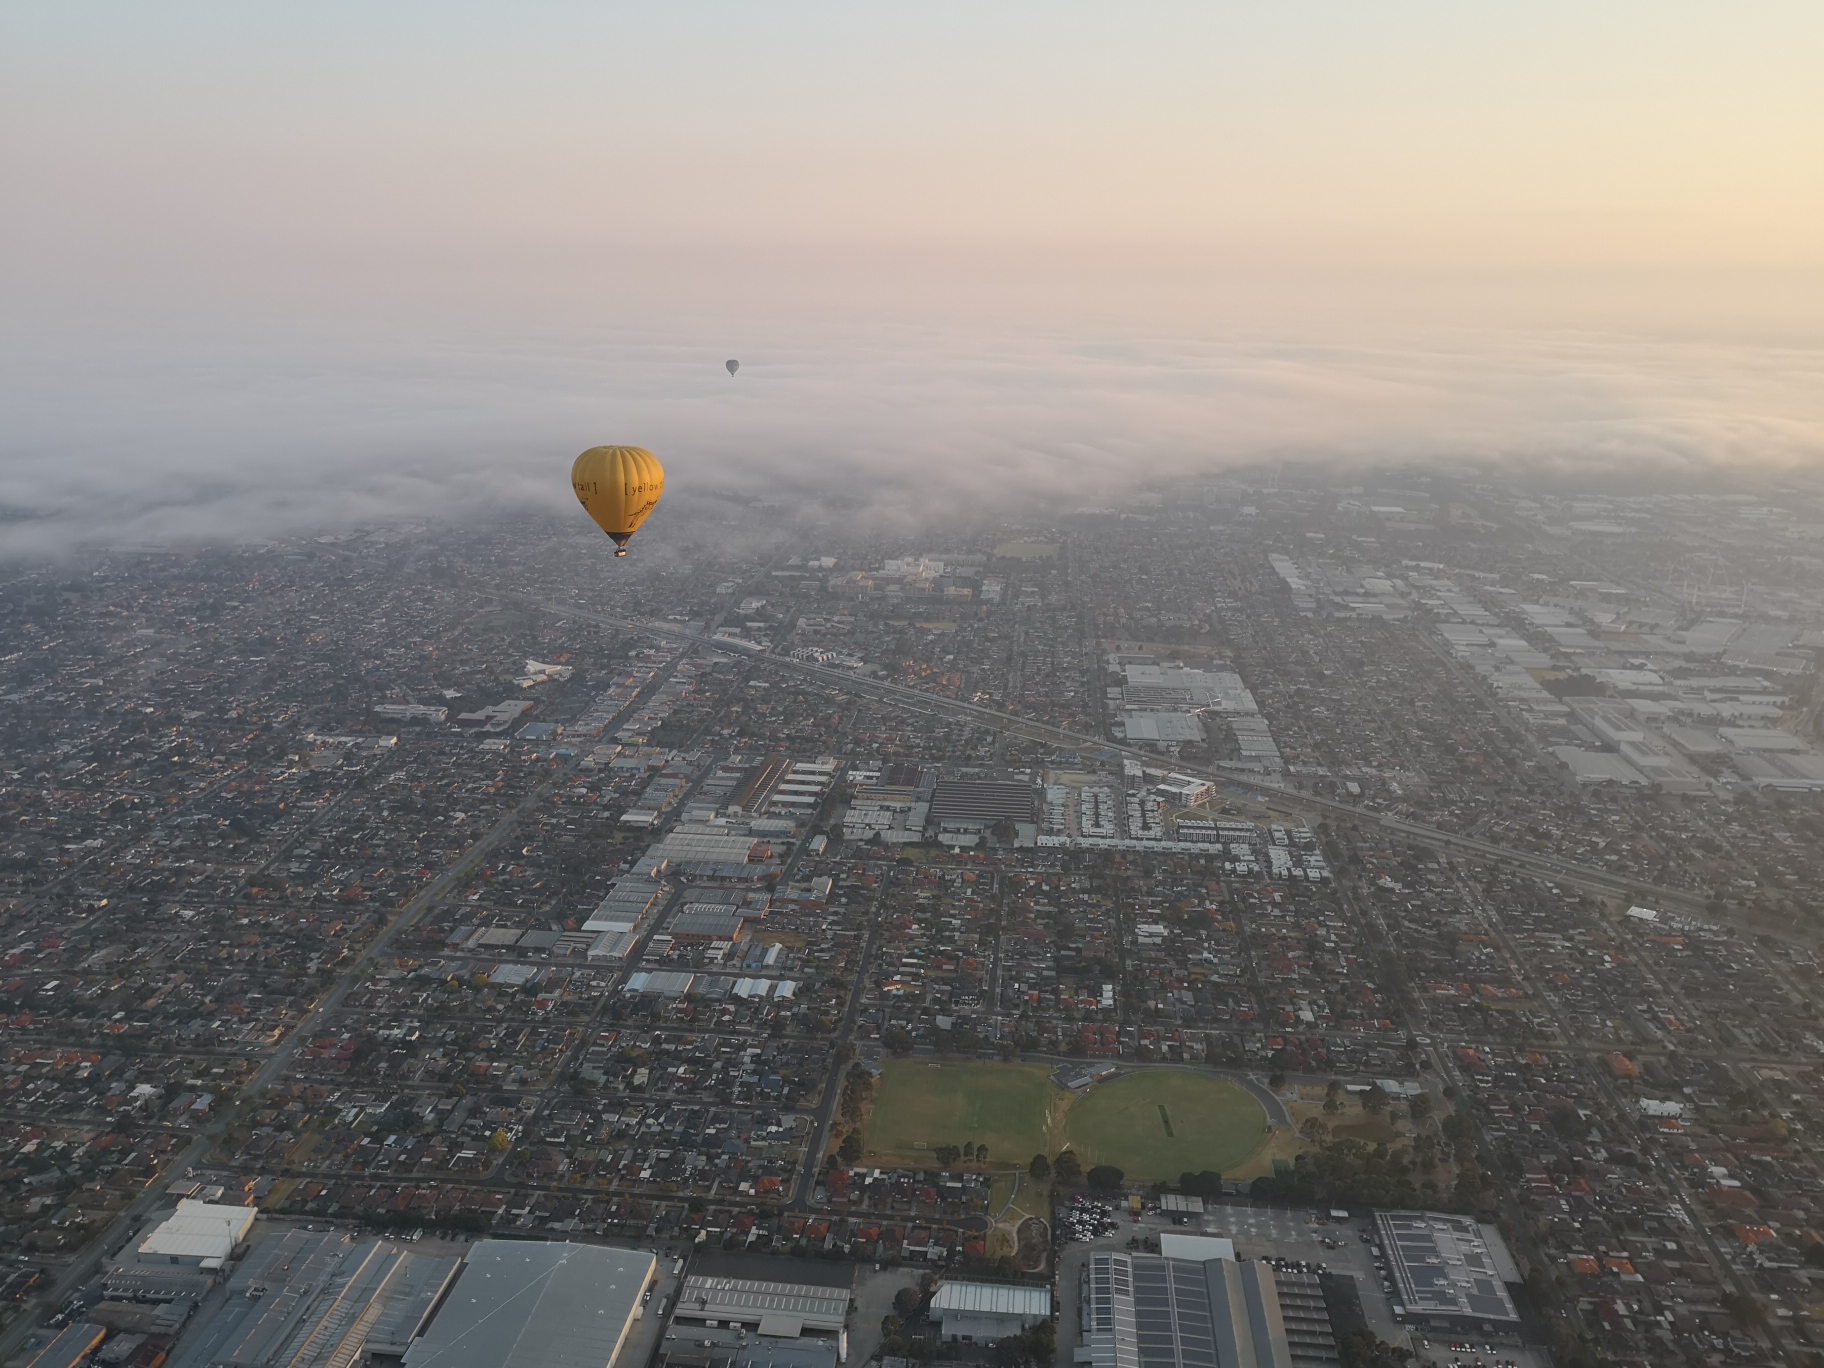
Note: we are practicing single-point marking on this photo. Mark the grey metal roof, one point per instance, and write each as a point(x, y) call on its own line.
point(1000, 1299)
point(1442, 1266)
point(521, 1304)
point(1148, 1311)
point(410, 1299)
point(746, 1299)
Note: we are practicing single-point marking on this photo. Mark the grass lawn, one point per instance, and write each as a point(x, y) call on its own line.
point(1375, 1130)
point(1160, 1123)
point(919, 1106)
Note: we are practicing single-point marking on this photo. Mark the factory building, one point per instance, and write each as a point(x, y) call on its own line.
point(1447, 1271)
point(774, 1311)
point(1153, 1311)
point(197, 1234)
point(523, 1304)
point(981, 1313)
point(313, 1299)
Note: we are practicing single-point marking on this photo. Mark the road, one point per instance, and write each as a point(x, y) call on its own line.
point(845, 1032)
point(1537, 862)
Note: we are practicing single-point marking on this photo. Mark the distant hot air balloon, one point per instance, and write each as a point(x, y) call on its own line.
point(618, 486)
point(733, 366)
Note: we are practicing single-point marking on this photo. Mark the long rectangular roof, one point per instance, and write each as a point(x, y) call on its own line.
point(1149, 1311)
point(524, 1304)
point(982, 800)
point(999, 1299)
point(1442, 1266)
point(745, 1299)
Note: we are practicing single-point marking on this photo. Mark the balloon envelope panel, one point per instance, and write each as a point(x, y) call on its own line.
point(618, 486)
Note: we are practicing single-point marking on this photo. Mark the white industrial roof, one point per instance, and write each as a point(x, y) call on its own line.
point(1000, 1299)
point(199, 1230)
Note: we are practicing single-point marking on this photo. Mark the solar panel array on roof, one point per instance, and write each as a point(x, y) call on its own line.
point(981, 801)
point(1306, 1316)
point(1148, 1311)
point(1442, 1266)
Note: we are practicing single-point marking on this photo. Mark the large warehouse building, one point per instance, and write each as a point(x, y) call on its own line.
point(981, 1313)
point(779, 1310)
point(1447, 1271)
point(1149, 1311)
point(305, 1299)
point(200, 1234)
point(522, 1304)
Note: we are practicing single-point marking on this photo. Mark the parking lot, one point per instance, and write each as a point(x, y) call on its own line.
point(1088, 1219)
point(1257, 1233)
point(1264, 1233)
point(1270, 1233)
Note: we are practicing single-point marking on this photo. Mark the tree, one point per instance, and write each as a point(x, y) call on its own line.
point(968, 1149)
point(1208, 1183)
point(1460, 1131)
point(905, 1302)
point(1747, 1310)
point(1040, 1167)
point(897, 1040)
point(1419, 1107)
point(1362, 1348)
point(981, 1154)
point(857, 1088)
point(1276, 1079)
point(1425, 1152)
point(1034, 1347)
point(947, 1155)
point(1066, 1167)
point(1566, 1122)
point(1106, 1176)
point(889, 1327)
point(850, 1148)
point(1374, 1101)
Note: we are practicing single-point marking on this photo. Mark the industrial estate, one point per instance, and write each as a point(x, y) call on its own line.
point(1272, 922)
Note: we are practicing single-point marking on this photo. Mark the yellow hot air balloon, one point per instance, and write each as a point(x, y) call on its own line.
point(618, 486)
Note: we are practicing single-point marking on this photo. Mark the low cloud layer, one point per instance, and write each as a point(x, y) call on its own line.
point(187, 433)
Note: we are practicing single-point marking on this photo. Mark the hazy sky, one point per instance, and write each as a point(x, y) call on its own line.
point(316, 259)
